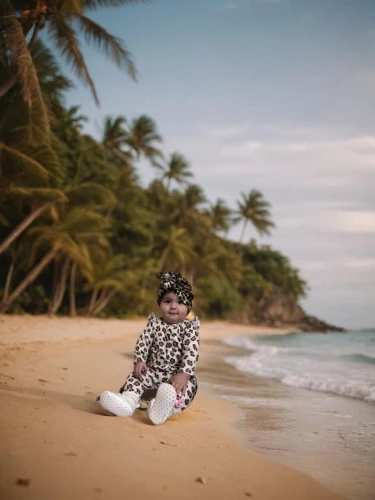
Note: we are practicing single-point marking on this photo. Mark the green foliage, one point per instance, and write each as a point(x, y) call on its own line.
point(64, 21)
point(218, 298)
point(254, 208)
point(275, 268)
point(103, 236)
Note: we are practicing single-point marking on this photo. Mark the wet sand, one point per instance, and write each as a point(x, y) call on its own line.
point(56, 443)
point(329, 437)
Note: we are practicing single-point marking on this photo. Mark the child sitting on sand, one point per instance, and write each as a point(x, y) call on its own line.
point(165, 357)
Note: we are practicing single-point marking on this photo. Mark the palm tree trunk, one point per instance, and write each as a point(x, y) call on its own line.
point(101, 296)
point(72, 290)
point(29, 278)
point(104, 303)
point(55, 278)
point(25, 69)
point(22, 226)
point(56, 284)
point(61, 286)
point(92, 301)
point(8, 281)
point(243, 230)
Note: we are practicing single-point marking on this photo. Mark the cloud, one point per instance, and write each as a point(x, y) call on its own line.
point(222, 132)
point(286, 165)
point(319, 182)
point(355, 264)
point(353, 145)
point(323, 220)
point(312, 265)
point(364, 264)
point(348, 221)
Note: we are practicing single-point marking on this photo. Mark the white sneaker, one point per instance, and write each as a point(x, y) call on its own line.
point(163, 406)
point(122, 405)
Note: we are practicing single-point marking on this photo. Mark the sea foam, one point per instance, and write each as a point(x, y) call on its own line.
point(333, 363)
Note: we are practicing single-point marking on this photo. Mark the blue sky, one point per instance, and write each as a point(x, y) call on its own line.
point(277, 95)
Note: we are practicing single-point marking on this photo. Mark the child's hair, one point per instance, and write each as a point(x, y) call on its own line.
point(177, 284)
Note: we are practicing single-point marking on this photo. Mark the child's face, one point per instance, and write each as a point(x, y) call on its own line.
point(172, 310)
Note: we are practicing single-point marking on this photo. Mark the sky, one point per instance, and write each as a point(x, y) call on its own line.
point(274, 95)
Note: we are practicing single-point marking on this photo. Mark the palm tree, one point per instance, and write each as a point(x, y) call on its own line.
point(73, 120)
point(108, 278)
point(114, 135)
point(17, 63)
point(157, 195)
point(29, 166)
point(177, 169)
point(220, 215)
point(64, 21)
point(62, 240)
point(255, 209)
point(183, 210)
point(141, 136)
point(53, 83)
point(177, 249)
point(194, 196)
point(40, 200)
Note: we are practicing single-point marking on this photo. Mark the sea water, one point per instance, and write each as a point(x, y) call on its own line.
point(307, 400)
point(337, 363)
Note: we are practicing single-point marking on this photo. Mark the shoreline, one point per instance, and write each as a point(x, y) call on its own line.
point(59, 442)
point(293, 426)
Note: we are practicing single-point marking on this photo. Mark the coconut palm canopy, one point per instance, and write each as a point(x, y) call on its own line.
point(256, 210)
point(22, 20)
point(78, 233)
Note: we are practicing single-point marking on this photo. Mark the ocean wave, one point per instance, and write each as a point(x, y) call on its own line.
point(349, 389)
point(251, 345)
point(359, 358)
point(263, 366)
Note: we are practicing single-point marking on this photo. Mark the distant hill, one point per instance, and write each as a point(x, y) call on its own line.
point(282, 309)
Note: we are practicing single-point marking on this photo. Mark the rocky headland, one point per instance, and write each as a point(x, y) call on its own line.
point(280, 309)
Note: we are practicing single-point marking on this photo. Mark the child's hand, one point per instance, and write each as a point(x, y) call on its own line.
point(180, 382)
point(140, 369)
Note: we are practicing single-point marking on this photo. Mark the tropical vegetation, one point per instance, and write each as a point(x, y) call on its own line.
point(79, 233)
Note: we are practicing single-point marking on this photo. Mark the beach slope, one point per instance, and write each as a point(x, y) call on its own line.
point(56, 443)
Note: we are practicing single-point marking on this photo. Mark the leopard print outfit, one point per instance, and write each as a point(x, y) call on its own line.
point(167, 350)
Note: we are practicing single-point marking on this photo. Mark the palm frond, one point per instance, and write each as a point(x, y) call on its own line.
point(40, 194)
point(110, 283)
point(72, 6)
point(91, 193)
point(95, 4)
point(81, 220)
point(51, 80)
point(13, 39)
point(111, 45)
point(47, 157)
point(32, 165)
point(22, 67)
point(66, 41)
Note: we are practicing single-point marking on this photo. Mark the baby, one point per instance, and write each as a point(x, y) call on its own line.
point(165, 357)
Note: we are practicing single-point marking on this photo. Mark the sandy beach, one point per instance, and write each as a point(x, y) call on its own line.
point(56, 442)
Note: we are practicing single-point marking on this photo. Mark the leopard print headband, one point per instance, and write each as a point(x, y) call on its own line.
point(177, 284)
